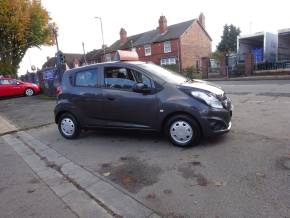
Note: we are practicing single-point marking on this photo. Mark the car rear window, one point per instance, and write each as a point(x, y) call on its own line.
point(86, 78)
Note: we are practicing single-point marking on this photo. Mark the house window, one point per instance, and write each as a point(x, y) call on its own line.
point(167, 46)
point(168, 61)
point(147, 49)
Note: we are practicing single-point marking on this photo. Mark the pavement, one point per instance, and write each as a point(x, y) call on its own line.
point(245, 173)
point(250, 78)
point(22, 192)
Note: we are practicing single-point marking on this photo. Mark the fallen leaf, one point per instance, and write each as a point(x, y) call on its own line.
point(151, 196)
point(30, 191)
point(196, 163)
point(260, 174)
point(107, 174)
point(127, 180)
point(219, 183)
point(167, 191)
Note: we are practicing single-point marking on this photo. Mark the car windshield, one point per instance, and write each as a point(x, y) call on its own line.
point(164, 74)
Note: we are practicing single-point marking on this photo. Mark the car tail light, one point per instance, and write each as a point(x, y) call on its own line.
point(58, 91)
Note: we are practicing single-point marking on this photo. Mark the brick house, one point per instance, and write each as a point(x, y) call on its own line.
point(182, 44)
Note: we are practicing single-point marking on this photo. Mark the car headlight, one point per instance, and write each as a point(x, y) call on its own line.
point(208, 99)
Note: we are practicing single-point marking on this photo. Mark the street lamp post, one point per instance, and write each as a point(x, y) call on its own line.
point(55, 31)
point(104, 47)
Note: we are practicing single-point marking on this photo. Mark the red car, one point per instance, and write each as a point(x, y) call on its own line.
point(9, 87)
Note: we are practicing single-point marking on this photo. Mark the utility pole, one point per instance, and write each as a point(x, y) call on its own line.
point(84, 53)
point(60, 58)
point(104, 47)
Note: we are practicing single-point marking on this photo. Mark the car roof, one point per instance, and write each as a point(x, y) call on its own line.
point(111, 63)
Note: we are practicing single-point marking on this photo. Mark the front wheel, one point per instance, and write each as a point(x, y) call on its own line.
point(29, 92)
point(68, 126)
point(183, 131)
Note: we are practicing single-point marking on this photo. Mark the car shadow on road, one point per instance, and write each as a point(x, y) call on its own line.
point(155, 137)
point(10, 97)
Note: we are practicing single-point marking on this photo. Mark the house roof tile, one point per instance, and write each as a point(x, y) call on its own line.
point(173, 32)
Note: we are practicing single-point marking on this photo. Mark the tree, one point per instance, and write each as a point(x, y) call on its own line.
point(228, 43)
point(23, 25)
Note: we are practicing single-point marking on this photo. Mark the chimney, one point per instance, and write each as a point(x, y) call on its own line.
point(201, 20)
point(123, 36)
point(162, 24)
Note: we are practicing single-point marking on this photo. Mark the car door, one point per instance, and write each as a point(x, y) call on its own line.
point(5, 88)
point(122, 106)
point(16, 87)
point(87, 96)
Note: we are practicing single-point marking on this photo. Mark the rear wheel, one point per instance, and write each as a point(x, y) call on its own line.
point(183, 131)
point(29, 92)
point(68, 126)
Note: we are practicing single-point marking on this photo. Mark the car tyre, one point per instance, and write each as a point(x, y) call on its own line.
point(29, 92)
point(68, 126)
point(183, 131)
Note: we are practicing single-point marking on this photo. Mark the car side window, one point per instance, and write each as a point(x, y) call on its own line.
point(119, 78)
point(86, 78)
point(124, 78)
point(12, 82)
point(4, 82)
point(141, 78)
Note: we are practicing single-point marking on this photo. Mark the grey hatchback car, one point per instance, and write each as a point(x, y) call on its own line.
point(141, 96)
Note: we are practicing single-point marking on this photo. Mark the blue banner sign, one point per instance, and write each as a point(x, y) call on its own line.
point(49, 74)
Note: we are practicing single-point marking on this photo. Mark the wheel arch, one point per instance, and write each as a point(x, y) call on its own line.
point(60, 113)
point(165, 120)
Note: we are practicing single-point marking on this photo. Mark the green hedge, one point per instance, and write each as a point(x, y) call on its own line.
point(172, 67)
point(192, 73)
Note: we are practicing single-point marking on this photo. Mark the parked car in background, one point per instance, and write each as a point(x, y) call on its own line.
point(10, 87)
point(144, 96)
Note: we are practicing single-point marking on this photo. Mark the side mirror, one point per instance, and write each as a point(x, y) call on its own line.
point(141, 88)
point(18, 83)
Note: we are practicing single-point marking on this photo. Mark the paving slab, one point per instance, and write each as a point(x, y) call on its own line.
point(79, 174)
point(32, 142)
point(6, 126)
point(118, 201)
point(84, 206)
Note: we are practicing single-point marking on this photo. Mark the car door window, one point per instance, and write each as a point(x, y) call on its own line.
point(87, 78)
point(12, 81)
point(119, 78)
point(141, 78)
point(124, 78)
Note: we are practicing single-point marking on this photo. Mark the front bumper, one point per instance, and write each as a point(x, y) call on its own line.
point(216, 122)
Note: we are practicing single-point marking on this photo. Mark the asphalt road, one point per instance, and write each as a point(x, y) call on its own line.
point(245, 173)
